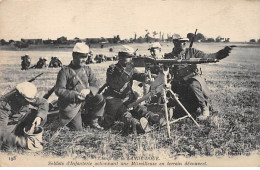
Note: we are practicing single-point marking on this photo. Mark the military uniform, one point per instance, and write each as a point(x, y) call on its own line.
point(55, 62)
point(68, 87)
point(187, 82)
point(11, 109)
point(119, 94)
point(26, 61)
point(41, 63)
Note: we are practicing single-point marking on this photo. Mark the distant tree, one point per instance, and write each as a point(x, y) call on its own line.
point(190, 36)
point(147, 35)
point(3, 42)
point(219, 38)
point(10, 41)
point(200, 37)
point(252, 41)
point(76, 39)
point(62, 40)
point(141, 39)
point(209, 40)
point(154, 34)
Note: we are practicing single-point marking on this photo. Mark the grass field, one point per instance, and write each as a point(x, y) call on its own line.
point(232, 129)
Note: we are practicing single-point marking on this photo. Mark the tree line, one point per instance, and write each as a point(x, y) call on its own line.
point(147, 37)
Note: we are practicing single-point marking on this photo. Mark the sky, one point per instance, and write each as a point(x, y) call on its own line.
point(238, 20)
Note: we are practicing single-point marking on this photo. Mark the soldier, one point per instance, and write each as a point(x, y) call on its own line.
point(187, 81)
point(119, 93)
point(55, 62)
point(17, 104)
point(76, 83)
point(90, 59)
point(41, 63)
point(155, 50)
point(26, 61)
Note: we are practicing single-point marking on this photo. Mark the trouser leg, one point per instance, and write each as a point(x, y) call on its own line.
point(71, 117)
point(141, 111)
point(114, 107)
point(76, 123)
point(199, 101)
point(96, 106)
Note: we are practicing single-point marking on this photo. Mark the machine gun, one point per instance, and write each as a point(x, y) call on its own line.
point(13, 90)
point(144, 61)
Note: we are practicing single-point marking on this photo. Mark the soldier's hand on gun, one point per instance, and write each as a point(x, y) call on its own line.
point(37, 121)
point(83, 94)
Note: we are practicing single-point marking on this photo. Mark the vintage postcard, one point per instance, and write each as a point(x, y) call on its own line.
point(119, 83)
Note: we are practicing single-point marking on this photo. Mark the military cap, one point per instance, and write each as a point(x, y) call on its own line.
point(180, 40)
point(81, 48)
point(27, 90)
point(126, 52)
point(155, 45)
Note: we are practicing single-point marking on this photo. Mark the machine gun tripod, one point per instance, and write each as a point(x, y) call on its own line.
point(159, 85)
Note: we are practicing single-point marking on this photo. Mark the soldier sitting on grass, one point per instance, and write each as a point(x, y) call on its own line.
point(55, 62)
point(187, 81)
point(119, 94)
point(26, 61)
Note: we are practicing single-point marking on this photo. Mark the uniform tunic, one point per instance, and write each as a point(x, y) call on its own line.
point(119, 93)
point(68, 87)
point(10, 107)
point(186, 80)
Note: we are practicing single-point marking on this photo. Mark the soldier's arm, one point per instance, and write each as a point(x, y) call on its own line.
point(61, 90)
point(117, 77)
point(139, 76)
point(223, 53)
point(94, 83)
point(43, 107)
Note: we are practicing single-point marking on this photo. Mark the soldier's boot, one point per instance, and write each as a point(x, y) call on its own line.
point(94, 124)
point(205, 112)
point(152, 117)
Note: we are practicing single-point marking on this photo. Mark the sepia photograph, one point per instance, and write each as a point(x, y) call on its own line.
point(120, 83)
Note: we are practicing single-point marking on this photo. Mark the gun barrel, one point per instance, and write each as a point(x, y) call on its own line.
point(186, 61)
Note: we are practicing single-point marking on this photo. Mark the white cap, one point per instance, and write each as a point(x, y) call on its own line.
point(181, 39)
point(155, 45)
point(127, 49)
point(81, 48)
point(27, 90)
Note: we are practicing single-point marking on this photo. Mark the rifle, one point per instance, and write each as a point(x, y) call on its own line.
point(102, 88)
point(13, 90)
point(49, 93)
point(192, 40)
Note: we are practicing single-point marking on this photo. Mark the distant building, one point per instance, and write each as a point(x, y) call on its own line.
point(33, 41)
